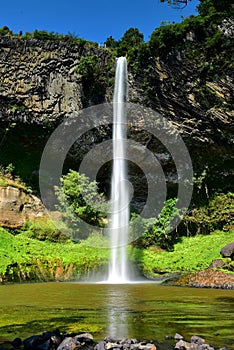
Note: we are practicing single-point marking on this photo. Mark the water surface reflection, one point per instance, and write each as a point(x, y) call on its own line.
point(143, 311)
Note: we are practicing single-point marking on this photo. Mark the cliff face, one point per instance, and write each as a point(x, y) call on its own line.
point(200, 105)
point(39, 80)
point(43, 82)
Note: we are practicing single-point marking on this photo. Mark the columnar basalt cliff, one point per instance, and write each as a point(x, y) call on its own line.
point(40, 80)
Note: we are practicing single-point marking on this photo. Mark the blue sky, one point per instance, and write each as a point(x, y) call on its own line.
point(89, 19)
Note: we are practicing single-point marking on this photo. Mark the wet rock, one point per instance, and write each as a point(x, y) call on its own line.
point(216, 264)
point(147, 346)
point(17, 342)
point(182, 345)
point(68, 344)
point(134, 341)
point(85, 337)
point(228, 251)
point(178, 336)
point(125, 341)
point(44, 346)
point(33, 342)
point(110, 339)
point(208, 278)
point(56, 340)
point(115, 345)
point(206, 347)
point(197, 340)
point(100, 346)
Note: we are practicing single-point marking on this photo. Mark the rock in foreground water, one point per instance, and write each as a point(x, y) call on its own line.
point(63, 341)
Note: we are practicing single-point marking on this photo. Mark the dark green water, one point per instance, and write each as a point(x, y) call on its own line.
point(145, 311)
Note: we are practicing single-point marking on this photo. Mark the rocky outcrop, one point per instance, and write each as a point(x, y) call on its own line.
point(17, 207)
point(208, 278)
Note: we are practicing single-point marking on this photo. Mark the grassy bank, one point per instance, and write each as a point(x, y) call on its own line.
point(191, 254)
point(25, 258)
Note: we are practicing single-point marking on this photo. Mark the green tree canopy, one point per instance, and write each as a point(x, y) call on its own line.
point(131, 38)
point(79, 200)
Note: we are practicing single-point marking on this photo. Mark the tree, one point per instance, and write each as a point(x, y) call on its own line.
point(111, 43)
point(79, 200)
point(131, 40)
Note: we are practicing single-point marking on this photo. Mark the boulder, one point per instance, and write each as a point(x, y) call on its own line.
point(84, 337)
point(33, 342)
point(17, 207)
point(100, 346)
point(68, 344)
point(216, 264)
point(44, 346)
point(197, 340)
point(228, 251)
point(147, 346)
point(182, 345)
point(16, 343)
point(178, 336)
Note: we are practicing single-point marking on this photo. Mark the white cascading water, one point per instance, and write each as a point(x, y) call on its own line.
point(119, 221)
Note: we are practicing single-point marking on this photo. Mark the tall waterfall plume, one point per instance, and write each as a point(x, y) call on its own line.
point(119, 221)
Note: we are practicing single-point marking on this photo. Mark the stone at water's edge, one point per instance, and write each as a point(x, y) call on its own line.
point(208, 278)
point(228, 251)
point(57, 341)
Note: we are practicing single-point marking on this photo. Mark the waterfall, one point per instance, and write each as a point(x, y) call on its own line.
point(119, 220)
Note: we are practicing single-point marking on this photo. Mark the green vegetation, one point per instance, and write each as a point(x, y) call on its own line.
point(79, 200)
point(8, 179)
point(217, 214)
point(44, 229)
point(26, 255)
point(44, 35)
point(21, 254)
point(189, 255)
point(39, 248)
point(95, 77)
point(157, 231)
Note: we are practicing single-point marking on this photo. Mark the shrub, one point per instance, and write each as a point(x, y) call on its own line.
point(44, 229)
point(218, 214)
point(157, 230)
